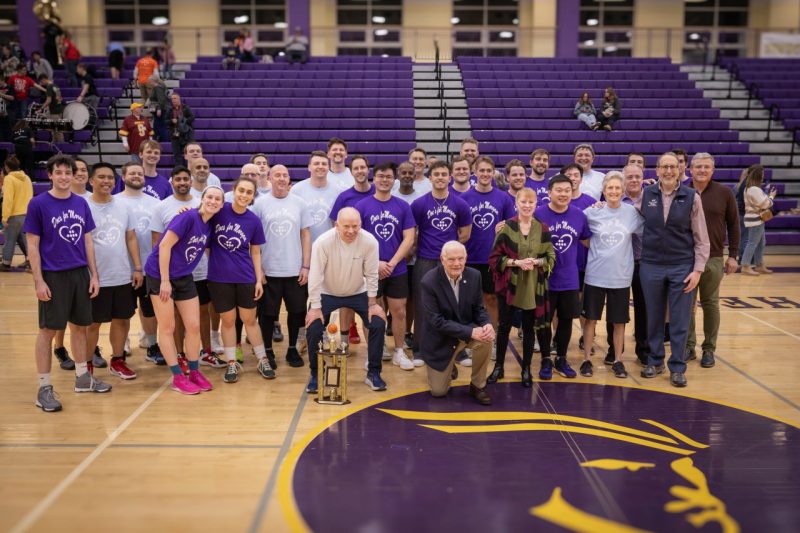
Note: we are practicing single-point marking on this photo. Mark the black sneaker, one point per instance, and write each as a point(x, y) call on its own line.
point(677, 379)
point(64, 360)
point(651, 371)
point(691, 355)
point(707, 361)
point(389, 332)
point(154, 355)
point(271, 358)
point(277, 334)
point(610, 357)
point(97, 359)
point(409, 339)
point(293, 358)
point(586, 369)
point(619, 370)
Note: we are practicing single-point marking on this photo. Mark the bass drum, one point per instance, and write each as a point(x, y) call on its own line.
point(82, 116)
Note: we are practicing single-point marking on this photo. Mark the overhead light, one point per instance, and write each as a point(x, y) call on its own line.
point(610, 48)
point(694, 36)
point(592, 22)
point(455, 20)
point(379, 20)
point(281, 25)
point(160, 21)
point(506, 35)
point(589, 42)
point(382, 32)
point(384, 55)
point(241, 19)
point(281, 53)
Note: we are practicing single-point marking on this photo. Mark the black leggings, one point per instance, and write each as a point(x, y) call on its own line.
point(564, 305)
point(267, 323)
point(528, 321)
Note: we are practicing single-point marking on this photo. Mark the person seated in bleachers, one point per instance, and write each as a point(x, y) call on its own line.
point(584, 110)
point(88, 88)
point(116, 58)
point(230, 57)
point(609, 111)
point(297, 47)
point(246, 47)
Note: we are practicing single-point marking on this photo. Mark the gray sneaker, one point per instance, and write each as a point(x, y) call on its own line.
point(97, 359)
point(232, 373)
point(46, 399)
point(88, 383)
point(265, 369)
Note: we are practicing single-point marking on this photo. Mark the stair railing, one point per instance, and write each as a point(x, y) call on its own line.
point(734, 75)
point(773, 109)
point(794, 141)
point(752, 88)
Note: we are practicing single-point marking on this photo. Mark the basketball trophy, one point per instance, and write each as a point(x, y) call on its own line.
point(332, 365)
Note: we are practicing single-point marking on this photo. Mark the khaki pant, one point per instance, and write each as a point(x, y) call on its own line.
point(439, 382)
point(710, 280)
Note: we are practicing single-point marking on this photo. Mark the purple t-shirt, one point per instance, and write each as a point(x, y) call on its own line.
point(457, 193)
point(486, 209)
point(61, 225)
point(438, 222)
point(157, 187)
point(540, 188)
point(193, 236)
point(386, 221)
point(567, 230)
point(232, 234)
point(349, 198)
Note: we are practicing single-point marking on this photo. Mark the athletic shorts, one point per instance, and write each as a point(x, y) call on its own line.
point(409, 276)
point(228, 296)
point(143, 301)
point(111, 303)
point(581, 277)
point(202, 291)
point(293, 295)
point(394, 286)
point(183, 288)
point(565, 304)
point(487, 283)
point(69, 299)
point(616, 302)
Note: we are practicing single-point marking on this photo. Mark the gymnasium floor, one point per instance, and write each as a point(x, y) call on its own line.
point(585, 454)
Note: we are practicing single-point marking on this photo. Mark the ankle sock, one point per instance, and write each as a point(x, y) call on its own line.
point(81, 368)
point(176, 370)
point(44, 379)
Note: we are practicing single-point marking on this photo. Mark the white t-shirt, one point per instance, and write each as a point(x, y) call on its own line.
point(142, 208)
point(282, 218)
point(112, 220)
point(343, 179)
point(592, 184)
point(610, 262)
point(320, 201)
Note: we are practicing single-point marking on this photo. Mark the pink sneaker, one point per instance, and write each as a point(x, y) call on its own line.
point(200, 380)
point(184, 386)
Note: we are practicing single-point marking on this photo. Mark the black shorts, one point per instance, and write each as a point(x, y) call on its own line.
point(409, 277)
point(116, 59)
point(581, 277)
point(616, 302)
point(487, 283)
point(565, 305)
point(228, 296)
point(69, 299)
point(394, 286)
point(203, 294)
point(182, 288)
point(143, 301)
point(293, 295)
point(116, 302)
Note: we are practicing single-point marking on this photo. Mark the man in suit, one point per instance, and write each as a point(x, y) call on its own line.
point(455, 319)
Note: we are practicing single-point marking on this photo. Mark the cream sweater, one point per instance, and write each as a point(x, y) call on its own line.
point(341, 269)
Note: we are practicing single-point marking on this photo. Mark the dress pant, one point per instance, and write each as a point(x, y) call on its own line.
point(421, 267)
point(708, 288)
point(440, 381)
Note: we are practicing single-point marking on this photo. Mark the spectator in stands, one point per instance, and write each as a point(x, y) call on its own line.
point(146, 67)
point(17, 193)
point(159, 108)
point(23, 147)
point(39, 65)
point(21, 83)
point(230, 57)
point(181, 130)
point(6, 101)
point(584, 111)
point(758, 206)
point(167, 57)
point(246, 47)
point(71, 57)
point(739, 190)
point(297, 47)
point(88, 87)
point(609, 112)
point(135, 130)
point(50, 35)
point(193, 151)
point(8, 62)
point(116, 58)
point(53, 104)
point(592, 180)
point(262, 162)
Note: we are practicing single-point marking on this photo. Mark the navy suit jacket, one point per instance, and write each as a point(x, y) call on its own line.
point(446, 321)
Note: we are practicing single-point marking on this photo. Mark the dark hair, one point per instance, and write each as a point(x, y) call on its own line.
point(103, 164)
point(60, 160)
point(12, 163)
point(42, 77)
point(317, 153)
point(128, 165)
point(612, 93)
point(440, 164)
point(565, 168)
point(387, 165)
point(178, 169)
point(356, 157)
point(681, 152)
point(248, 179)
point(514, 163)
point(558, 178)
point(78, 159)
point(254, 156)
point(484, 159)
point(540, 151)
point(628, 158)
point(336, 140)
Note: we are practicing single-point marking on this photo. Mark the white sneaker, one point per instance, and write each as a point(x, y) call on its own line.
point(127, 347)
point(387, 355)
point(143, 340)
point(216, 342)
point(418, 362)
point(536, 347)
point(401, 360)
point(366, 365)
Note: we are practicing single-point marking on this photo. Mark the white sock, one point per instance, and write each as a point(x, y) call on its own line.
point(44, 379)
point(260, 351)
point(230, 354)
point(150, 339)
point(80, 369)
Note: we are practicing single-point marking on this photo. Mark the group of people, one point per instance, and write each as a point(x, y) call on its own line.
point(445, 247)
point(595, 119)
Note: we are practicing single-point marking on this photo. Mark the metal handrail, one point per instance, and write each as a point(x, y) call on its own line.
point(444, 121)
point(734, 75)
point(794, 142)
point(773, 108)
point(447, 142)
point(752, 88)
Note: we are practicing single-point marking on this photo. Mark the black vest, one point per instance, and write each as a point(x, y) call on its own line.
point(671, 243)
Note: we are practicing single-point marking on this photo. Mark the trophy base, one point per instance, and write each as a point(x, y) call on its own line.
point(326, 401)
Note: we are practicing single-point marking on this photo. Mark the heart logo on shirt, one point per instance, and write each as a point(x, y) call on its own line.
point(318, 215)
point(192, 253)
point(143, 224)
point(563, 243)
point(107, 237)
point(281, 229)
point(71, 233)
point(442, 223)
point(385, 231)
point(612, 239)
point(483, 221)
point(229, 243)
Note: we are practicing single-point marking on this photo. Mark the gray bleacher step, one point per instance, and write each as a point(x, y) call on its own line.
point(790, 174)
point(723, 93)
point(430, 67)
point(774, 148)
point(430, 103)
point(736, 103)
point(437, 124)
point(741, 113)
point(718, 84)
point(792, 189)
point(433, 93)
point(114, 159)
point(446, 75)
point(718, 75)
point(752, 125)
point(436, 135)
point(755, 136)
point(776, 160)
point(422, 113)
point(433, 84)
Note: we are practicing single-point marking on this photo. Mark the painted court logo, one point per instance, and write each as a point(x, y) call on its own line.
point(565, 456)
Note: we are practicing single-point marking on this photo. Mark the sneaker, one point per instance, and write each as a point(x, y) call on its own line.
point(312, 386)
point(409, 340)
point(97, 359)
point(182, 384)
point(64, 360)
point(619, 370)
point(271, 358)
point(375, 382)
point(5, 268)
point(352, 335)
point(418, 361)
point(196, 377)
point(184, 364)
point(154, 355)
point(586, 369)
point(216, 342)
point(211, 359)
point(610, 357)
point(563, 368)
point(27, 266)
point(232, 373)
point(239, 354)
point(143, 340)
point(400, 359)
point(651, 371)
point(707, 361)
point(387, 355)
point(293, 358)
point(691, 355)
point(546, 370)
point(389, 332)
point(466, 362)
point(277, 334)
point(88, 383)
point(265, 369)
point(47, 399)
point(677, 379)
point(120, 369)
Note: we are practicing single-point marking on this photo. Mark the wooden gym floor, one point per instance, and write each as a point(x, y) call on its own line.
point(147, 458)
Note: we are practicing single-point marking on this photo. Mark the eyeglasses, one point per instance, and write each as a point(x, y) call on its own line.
point(668, 167)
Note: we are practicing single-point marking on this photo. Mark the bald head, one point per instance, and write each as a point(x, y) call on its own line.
point(200, 169)
point(251, 170)
point(348, 224)
point(280, 180)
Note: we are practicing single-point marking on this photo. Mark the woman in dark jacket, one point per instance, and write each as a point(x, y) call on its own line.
point(159, 108)
point(181, 129)
point(609, 110)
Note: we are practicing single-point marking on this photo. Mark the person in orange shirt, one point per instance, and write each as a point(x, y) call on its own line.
point(146, 66)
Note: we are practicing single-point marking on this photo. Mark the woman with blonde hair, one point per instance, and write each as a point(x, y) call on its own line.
point(758, 209)
point(17, 194)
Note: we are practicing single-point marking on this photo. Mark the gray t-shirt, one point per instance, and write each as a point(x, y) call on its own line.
point(111, 220)
point(166, 210)
point(592, 184)
point(421, 188)
point(142, 208)
point(320, 201)
point(610, 262)
point(283, 218)
point(344, 179)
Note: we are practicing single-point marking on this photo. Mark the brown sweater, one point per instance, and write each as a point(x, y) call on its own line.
point(722, 218)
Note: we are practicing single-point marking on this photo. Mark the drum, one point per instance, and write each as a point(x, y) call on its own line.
point(82, 116)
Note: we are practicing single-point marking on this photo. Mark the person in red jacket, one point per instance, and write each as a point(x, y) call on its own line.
point(135, 130)
point(21, 84)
